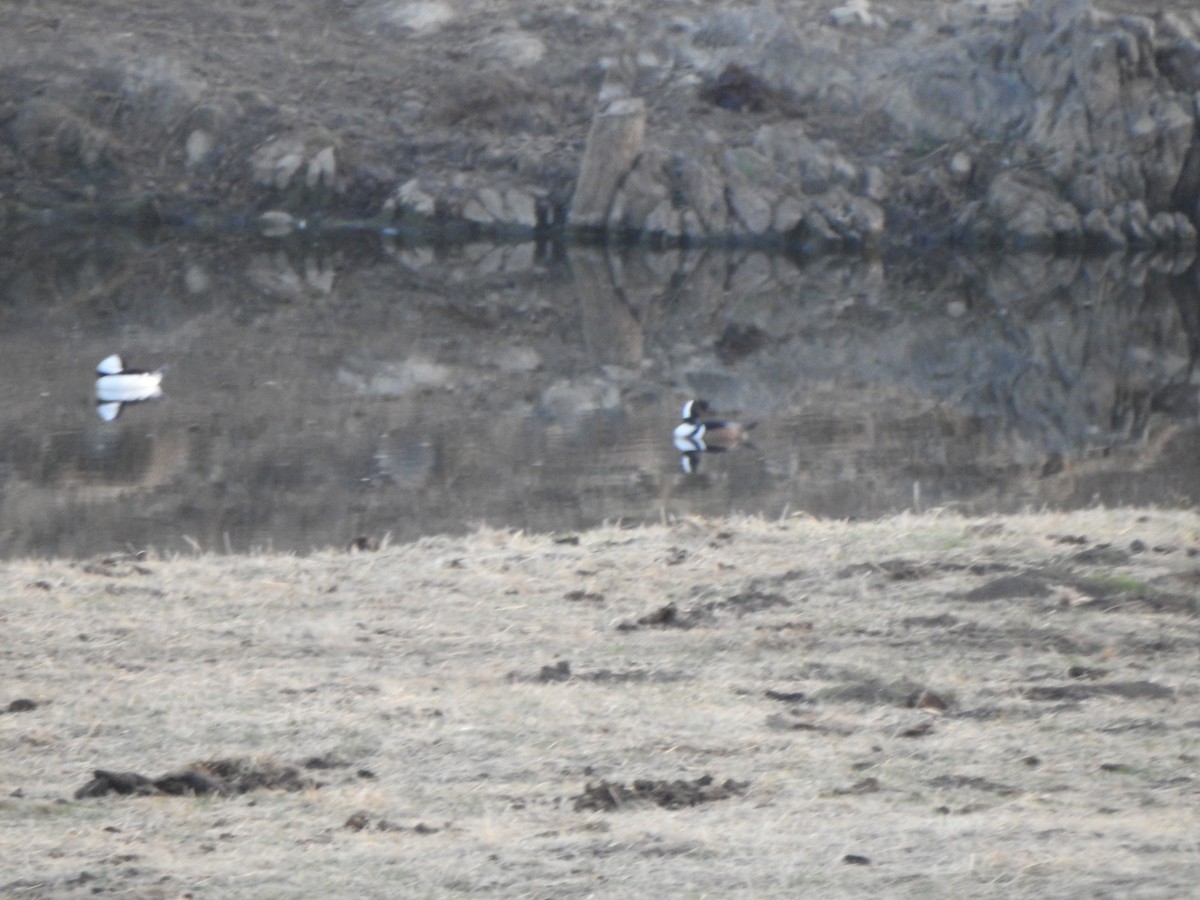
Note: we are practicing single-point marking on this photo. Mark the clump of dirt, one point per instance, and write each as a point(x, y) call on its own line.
point(611, 795)
point(561, 672)
point(224, 777)
point(117, 565)
point(664, 617)
point(361, 821)
point(1127, 689)
point(973, 783)
point(739, 89)
point(668, 616)
point(583, 596)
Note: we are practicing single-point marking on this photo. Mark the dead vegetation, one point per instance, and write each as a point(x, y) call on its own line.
point(914, 706)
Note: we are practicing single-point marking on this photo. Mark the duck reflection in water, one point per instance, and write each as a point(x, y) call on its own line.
point(117, 386)
point(696, 435)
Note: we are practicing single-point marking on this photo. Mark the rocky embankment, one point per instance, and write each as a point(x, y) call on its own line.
point(1051, 124)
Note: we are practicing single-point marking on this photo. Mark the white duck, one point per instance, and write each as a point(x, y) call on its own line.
point(117, 385)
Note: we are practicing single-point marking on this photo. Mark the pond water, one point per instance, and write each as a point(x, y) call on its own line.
point(322, 392)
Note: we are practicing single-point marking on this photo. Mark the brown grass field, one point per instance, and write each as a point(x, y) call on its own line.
point(913, 707)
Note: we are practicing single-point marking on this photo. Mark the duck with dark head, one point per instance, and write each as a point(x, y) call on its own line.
point(696, 434)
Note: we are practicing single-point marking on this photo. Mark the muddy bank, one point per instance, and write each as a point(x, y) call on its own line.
point(808, 127)
point(916, 705)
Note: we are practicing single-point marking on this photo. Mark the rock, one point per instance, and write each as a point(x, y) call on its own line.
point(942, 102)
point(737, 28)
point(277, 223)
point(875, 184)
point(620, 75)
point(814, 233)
point(1136, 221)
point(397, 379)
point(517, 49)
point(612, 332)
point(50, 137)
point(751, 207)
point(1069, 91)
point(855, 13)
point(749, 165)
point(703, 190)
point(614, 143)
point(664, 220)
point(749, 189)
point(276, 163)
point(421, 17)
point(788, 214)
point(1187, 190)
point(1177, 52)
point(159, 92)
point(1097, 102)
point(844, 172)
point(1027, 122)
point(1185, 232)
point(318, 274)
point(1100, 233)
point(416, 258)
point(520, 208)
point(521, 258)
point(569, 403)
point(856, 221)
point(753, 274)
point(816, 164)
point(775, 141)
point(475, 211)
point(196, 279)
point(198, 147)
point(1026, 215)
point(284, 168)
point(1090, 190)
point(322, 168)
point(411, 196)
point(641, 195)
point(690, 225)
point(1162, 228)
point(815, 68)
point(961, 167)
point(492, 202)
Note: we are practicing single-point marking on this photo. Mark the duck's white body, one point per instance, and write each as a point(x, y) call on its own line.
point(689, 436)
point(694, 435)
point(116, 386)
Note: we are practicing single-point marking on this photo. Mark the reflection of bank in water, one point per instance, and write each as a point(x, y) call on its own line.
point(117, 386)
point(695, 435)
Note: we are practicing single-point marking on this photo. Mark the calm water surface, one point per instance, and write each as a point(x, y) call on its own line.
point(315, 394)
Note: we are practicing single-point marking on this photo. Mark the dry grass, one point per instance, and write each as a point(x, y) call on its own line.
point(1064, 764)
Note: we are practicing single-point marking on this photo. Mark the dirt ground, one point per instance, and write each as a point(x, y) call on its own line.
point(173, 100)
point(919, 706)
